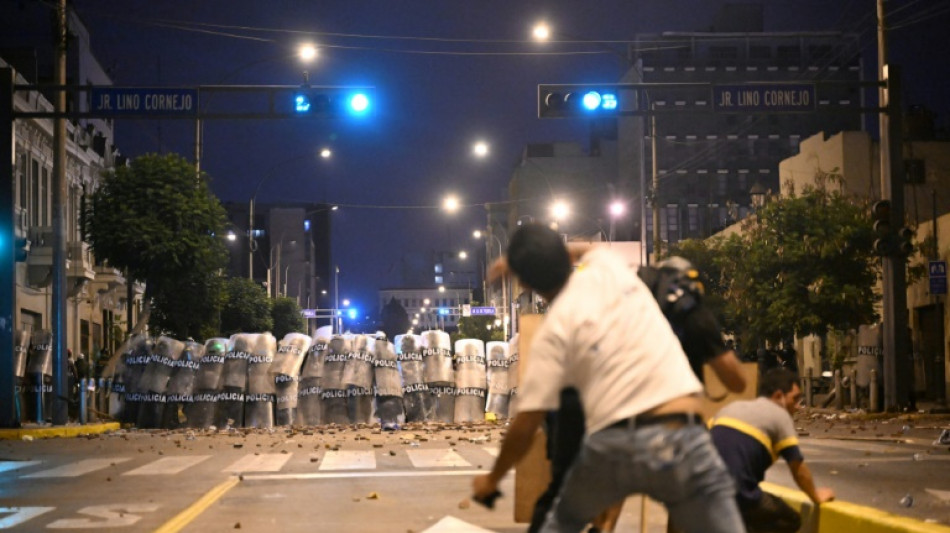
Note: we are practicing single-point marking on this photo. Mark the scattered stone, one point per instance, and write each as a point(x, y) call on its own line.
point(372, 496)
point(238, 445)
point(907, 500)
point(391, 452)
point(237, 525)
point(465, 504)
point(314, 459)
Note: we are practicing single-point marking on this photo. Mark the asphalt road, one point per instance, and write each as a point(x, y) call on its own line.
point(367, 481)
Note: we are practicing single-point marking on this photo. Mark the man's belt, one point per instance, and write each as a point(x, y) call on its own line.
point(681, 419)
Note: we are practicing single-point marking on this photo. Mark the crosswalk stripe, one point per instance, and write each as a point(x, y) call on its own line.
point(437, 458)
point(491, 450)
point(6, 466)
point(265, 462)
point(78, 468)
point(167, 465)
point(348, 460)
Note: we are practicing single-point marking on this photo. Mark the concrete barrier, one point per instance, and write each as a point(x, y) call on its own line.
point(838, 516)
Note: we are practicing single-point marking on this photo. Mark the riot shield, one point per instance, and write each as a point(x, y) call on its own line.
point(309, 402)
point(417, 401)
point(498, 387)
point(437, 358)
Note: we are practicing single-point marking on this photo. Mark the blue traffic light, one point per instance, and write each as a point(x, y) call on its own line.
point(359, 103)
point(443, 311)
point(301, 103)
point(352, 313)
point(592, 100)
point(608, 101)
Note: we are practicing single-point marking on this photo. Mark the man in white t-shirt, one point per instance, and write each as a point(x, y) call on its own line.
point(605, 335)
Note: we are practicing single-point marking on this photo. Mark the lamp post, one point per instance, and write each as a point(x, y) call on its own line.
point(336, 297)
point(252, 243)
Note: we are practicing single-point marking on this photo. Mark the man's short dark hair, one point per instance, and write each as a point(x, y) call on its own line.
point(777, 379)
point(538, 256)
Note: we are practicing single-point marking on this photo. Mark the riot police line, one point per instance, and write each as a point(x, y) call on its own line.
point(253, 380)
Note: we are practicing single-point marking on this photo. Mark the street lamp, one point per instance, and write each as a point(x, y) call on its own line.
point(757, 194)
point(616, 210)
point(451, 203)
point(560, 210)
point(463, 254)
point(480, 149)
point(252, 243)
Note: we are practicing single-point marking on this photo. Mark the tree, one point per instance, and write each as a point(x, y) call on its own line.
point(477, 327)
point(286, 317)
point(395, 319)
point(802, 265)
point(246, 308)
point(159, 222)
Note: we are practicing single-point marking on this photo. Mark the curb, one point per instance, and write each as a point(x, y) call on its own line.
point(57, 431)
point(836, 516)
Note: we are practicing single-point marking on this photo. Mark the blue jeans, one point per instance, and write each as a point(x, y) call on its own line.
point(678, 466)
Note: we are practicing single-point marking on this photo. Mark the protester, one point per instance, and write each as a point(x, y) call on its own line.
point(750, 435)
point(676, 287)
point(604, 335)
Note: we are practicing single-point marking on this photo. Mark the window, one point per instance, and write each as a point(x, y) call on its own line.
point(45, 192)
point(760, 52)
point(22, 181)
point(438, 279)
point(438, 268)
point(35, 193)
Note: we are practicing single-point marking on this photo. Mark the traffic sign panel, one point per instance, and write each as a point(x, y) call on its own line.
point(764, 97)
point(144, 101)
point(483, 311)
point(938, 277)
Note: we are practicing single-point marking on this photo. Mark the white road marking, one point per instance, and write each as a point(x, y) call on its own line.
point(78, 468)
point(167, 465)
point(112, 515)
point(20, 515)
point(438, 458)
point(265, 462)
point(942, 495)
point(450, 524)
point(491, 450)
point(348, 460)
point(376, 473)
point(6, 466)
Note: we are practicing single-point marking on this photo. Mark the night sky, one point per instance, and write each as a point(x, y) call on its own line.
point(447, 73)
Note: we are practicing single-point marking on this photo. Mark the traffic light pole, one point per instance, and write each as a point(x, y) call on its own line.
point(897, 352)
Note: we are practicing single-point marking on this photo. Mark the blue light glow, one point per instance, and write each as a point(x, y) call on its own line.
point(359, 103)
point(301, 103)
point(609, 101)
point(591, 100)
point(352, 314)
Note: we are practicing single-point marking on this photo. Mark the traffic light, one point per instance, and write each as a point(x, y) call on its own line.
point(881, 217)
point(566, 101)
point(905, 241)
point(352, 313)
point(333, 102)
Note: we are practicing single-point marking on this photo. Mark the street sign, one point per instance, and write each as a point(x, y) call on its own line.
point(764, 97)
point(938, 277)
point(118, 101)
point(309, 313)
point(478, 311)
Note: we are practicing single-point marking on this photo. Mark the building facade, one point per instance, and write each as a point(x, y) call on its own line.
point(707, 161)
point(98, 301)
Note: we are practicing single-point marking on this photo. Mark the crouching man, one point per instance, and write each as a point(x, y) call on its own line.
point(750, 435)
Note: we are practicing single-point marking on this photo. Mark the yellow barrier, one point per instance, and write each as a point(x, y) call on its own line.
point(57, 431)
point(840, 516)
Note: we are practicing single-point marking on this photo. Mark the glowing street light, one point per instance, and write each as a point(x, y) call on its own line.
point(451, 203)
point(560, 210)
point(480, 149)
point(307, 52)
point(541, 31)
point(477, 234)
point(231, 236)
point(326, 153)
point(346, 303)
point(463, 254)
point(441, 288)
point(616, 209)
